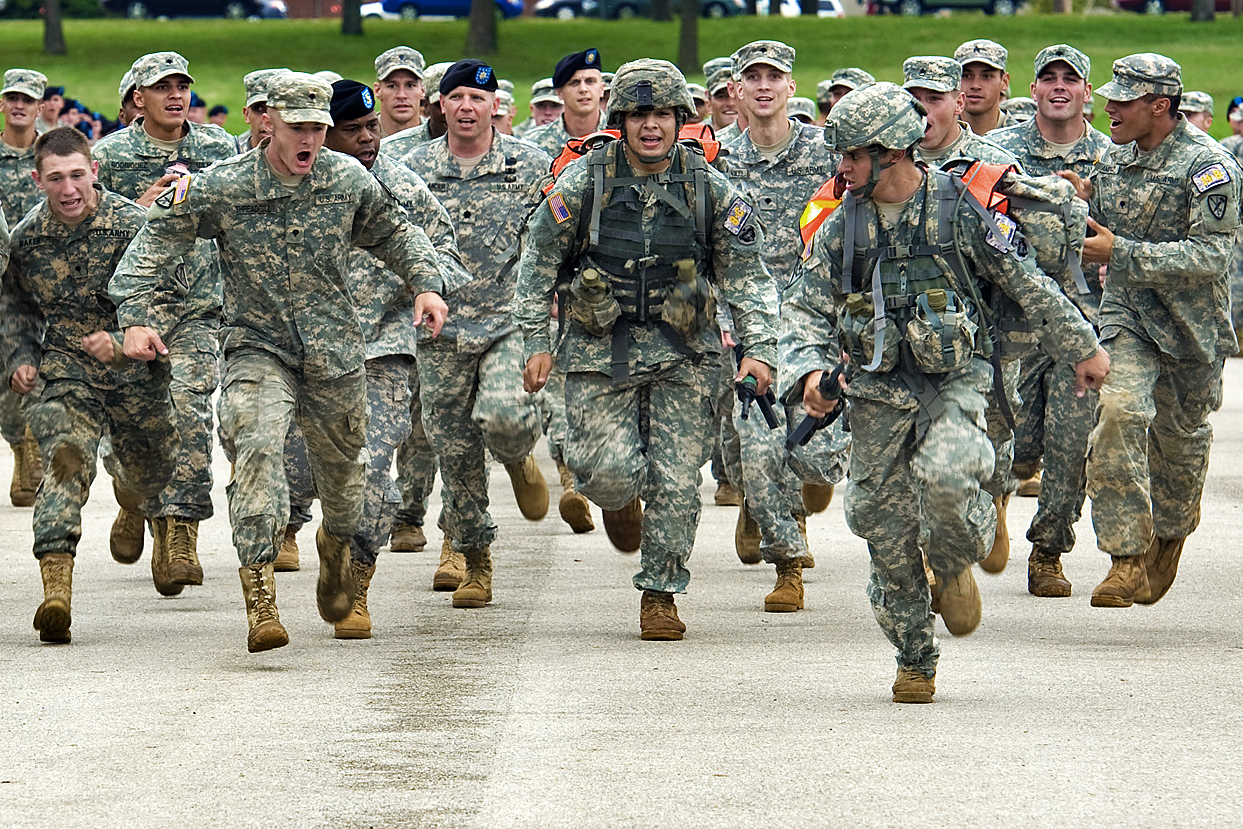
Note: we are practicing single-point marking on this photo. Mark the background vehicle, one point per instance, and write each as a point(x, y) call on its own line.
point(1162, 6)
point(613, 9)
point(560, 9)
point(232, 9)
point(414, 9)
point(917, 7)
point(375, 11)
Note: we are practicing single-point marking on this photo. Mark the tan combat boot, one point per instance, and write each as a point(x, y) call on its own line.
point(287, 556)
point(407, 538)
point(1030, 487)
point(27, 471)
point(358, 624)
point(1045, 577)
point(807, 562)
point(530, 488)
point(183, 556)
point(575, 509)
point(1127, 580)
point(747, 537)
point(913, 687)
point(129, 530)
point(1161, 565)
point(164, 585)
point(625, 526)
point(476, 587)
point(998, 557)
point(960, 603)
point(817, 497)
point(334, 592)
point(787, 596)
point(658, 618)
point(727, 495)
point(265, 629)
point(52, 618)
point(452, 568)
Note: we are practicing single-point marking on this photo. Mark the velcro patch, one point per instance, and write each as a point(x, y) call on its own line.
point(181, 189)
point(1008, 227)
point(1217, 205)
point(738, 216)
point(556, 203)
point(1210, 177)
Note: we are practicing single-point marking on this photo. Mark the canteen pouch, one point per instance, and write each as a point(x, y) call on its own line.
point(689, 302)
point(858, 334)
point(941, 331)
point(592, 304)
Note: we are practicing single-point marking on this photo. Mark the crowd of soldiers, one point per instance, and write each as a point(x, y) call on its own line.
point(390, 274)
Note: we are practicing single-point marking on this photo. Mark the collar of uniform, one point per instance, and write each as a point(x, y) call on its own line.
point(748, 153)
point(143, 145)
point(1157, 157)
point(15, 152)
point(491, 162)
point(1039, 147)
point(266, 185)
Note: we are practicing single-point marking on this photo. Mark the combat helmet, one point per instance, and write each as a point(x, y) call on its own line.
point(880, 116)
point(649, 84)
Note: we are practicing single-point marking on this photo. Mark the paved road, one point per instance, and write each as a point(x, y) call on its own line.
point(545, 709)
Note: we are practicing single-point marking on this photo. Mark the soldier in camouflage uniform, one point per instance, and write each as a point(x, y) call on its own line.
point(256, 84)
point(846, 79)
point(984, 79)
point(433, 126)
point(578, 83)
point(1197, 108)
point(22, 93)
point(1050, 421)
point(722, 107)
point(545, 105)
point(471, 397)
point(640, 390)
point(139, 162)
point(59, 327)
point(1165, 208)
point(1234, 145)
point(920, 450)
point(724, 78)
point(285, 217)
point(777, 165)
point(399, 89)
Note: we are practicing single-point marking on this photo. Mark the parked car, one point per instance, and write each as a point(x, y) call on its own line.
point(232, 9)
point(614, 9)
point(375, 11)
point(560, 9)
point(917, 7)
point(414, 9)
point(1163, 6)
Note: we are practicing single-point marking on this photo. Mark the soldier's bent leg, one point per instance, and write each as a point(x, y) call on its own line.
point(1068, 425)
point(1031, 418)
point(12, 419)
point(603, 447)
point(1179, 441)
point(772, 491)
point(298, 474)
point(508, 418)
point(416, 463)
point(333, 417)
point(388, 424)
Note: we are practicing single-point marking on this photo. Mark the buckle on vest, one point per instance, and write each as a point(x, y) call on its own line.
point(899, 251)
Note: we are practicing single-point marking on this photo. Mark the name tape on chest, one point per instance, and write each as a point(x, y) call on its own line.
point(1210, 177)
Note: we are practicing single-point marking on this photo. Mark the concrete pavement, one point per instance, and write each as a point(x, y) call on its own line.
point(545, 709)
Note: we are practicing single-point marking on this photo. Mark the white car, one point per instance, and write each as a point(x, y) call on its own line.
point(791, 8)
point(375, 11)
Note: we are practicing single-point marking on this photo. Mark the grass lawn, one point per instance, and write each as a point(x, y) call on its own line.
point(220, 51)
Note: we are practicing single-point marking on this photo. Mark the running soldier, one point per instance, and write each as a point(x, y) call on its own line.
point(984, 80)
point(579, 84)
point(399, 89)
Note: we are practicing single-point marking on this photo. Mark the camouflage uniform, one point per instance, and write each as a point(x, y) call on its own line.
point(1165, 320)
point(1234, 145)
point(471, 374)
point(400, 144)
point(905, 471)
point(55, 294)
point(292, 340)
point(552, 136)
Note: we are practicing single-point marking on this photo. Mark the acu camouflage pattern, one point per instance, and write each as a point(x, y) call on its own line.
point(18, 192)
point(968, 145)
point(1234, 145)
point(552, 136)
point(401, 144)
point(931, 72)
point(1146, 73)
point(416, 462)
point(850, 77)
point(28, 82)
point(668, 89)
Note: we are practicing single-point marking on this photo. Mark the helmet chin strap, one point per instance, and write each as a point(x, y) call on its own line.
point(874, 173)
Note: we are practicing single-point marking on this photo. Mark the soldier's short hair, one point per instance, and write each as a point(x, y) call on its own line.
point(61, 141)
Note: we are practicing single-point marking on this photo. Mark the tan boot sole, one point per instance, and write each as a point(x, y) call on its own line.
point(781, 607)
point(348, 630)
point(912, 697)
point(576, 511)
point(52, 620)
point(661, 636)
point(1111, 601)
point(267, 636)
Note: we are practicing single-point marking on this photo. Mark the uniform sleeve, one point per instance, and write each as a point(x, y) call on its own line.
point(809, 340)
point(737, 240)
point(21, 322)
point(4, 241)
point(550, 242)
point(383, 228)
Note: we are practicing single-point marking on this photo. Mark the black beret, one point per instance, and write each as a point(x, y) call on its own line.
point(472, 73)
point(571, 63)
point(53, 90)
point(350, 100)
point(219, 109)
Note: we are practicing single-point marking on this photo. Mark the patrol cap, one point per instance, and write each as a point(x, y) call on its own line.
point(698, 93)
point(431, 80)
point(127, 84)
point(299, 98)
point(328, 76)
point(768, 52)
point(542, 92)
point(350, 100)
point(988, 52)
point(399, 57)
point(505, 85)
point(718, 73)
point(504, 102)
point(823, 94)
point(1068, 55)
point(471, 73)
point(851, 77)
point(573, 62)
point(1020, 109)
point(150, 69)
point(1146, 73)
point(804, 108)
point(257, 84)
point(26, 81)
point(1196, 102)
point(932, 72)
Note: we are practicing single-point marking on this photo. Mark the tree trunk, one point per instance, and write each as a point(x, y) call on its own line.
point(688, 39)
point(53, 31)
point(351, 17)
point(1202, 11)
point(481, 34)
point(662, 10)
point(1236, 7)
point(1061, 6)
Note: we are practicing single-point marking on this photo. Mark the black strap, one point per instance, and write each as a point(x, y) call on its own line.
point(621, 352)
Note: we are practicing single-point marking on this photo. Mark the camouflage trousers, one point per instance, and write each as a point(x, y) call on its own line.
point(727, 448)
point(1148, 454)
point(553, 403)
point(1236, 281)
point(898, 482)
point(259, 398)
point(69, 421)
point(473, 402)
point(416, 462)
point(1054, 424)
point(1002, 481)
point(615, 456)
point(12, 416)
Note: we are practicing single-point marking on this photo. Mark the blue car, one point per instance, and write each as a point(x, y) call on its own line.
point(414, 9)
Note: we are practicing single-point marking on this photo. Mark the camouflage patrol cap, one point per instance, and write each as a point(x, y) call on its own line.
point(299, 98)
point(1068, 55)
point(717, 73)
point(881, 114)
point(150, 69)
point(932, 72)
point(1196, 102)
point(851, 77)
point(802, 108)
point(127, 84)
point(26, 81)
point(698, 93)
point(648, 84)
point(432, 76)
point(257, 84)
point(504, 85)
point(1143, 74)
point(542, 92)
point(328, 76)
point(504, 102)
point(772, 53)
point(823, 90)
point(606, 79)
point(1020, 109)
point(988, 52)
point(399, 57)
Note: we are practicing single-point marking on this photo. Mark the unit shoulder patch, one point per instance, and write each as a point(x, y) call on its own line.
point(1210, 177)
point(738, 215)
point(1217, 205)
point(1008, 227)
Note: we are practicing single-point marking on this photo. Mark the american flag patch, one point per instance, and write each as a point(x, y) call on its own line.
point(559, 211)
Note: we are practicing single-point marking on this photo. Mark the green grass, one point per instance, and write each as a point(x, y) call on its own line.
point(220, 52)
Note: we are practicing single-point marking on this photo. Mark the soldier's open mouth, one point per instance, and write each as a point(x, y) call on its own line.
point(304, 156)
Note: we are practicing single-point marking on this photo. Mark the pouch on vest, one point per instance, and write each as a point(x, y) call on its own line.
point(941, 332)
point(591, 304)
point(689, 304)
point(858, 334)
